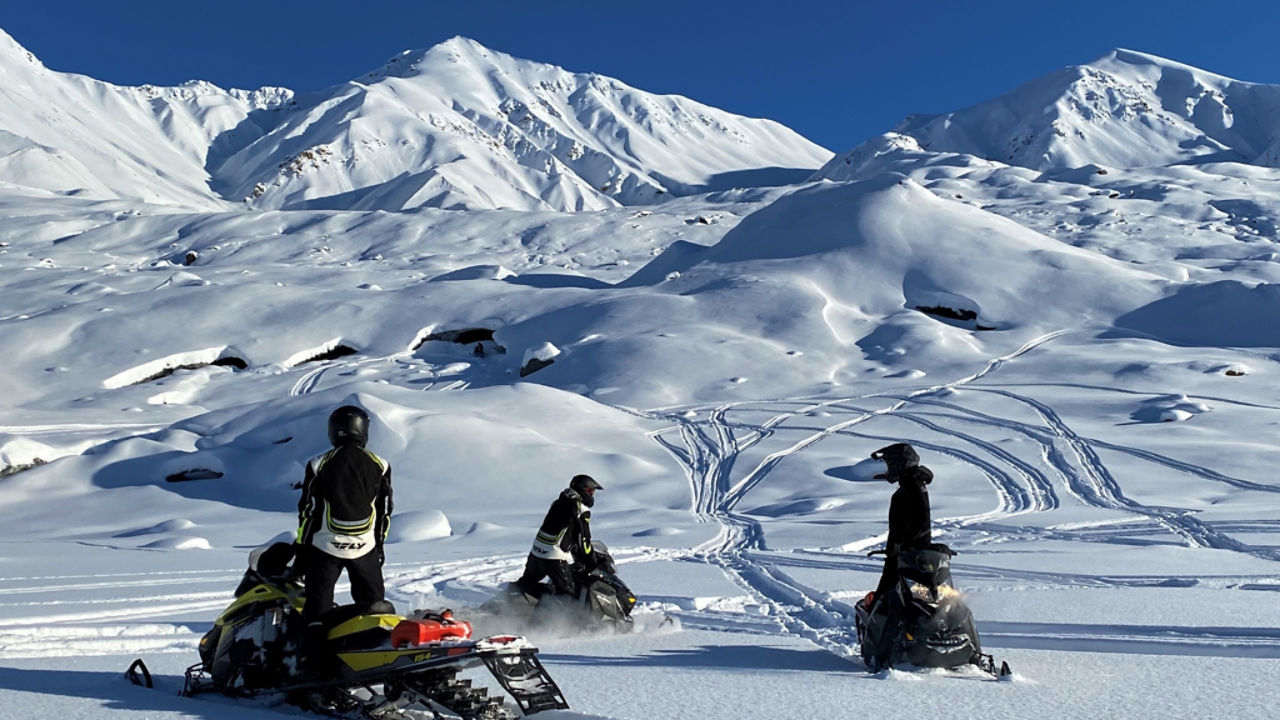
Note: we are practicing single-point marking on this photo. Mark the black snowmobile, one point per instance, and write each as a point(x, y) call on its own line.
point(379, 665)
point(602, 601)
point(923, 621)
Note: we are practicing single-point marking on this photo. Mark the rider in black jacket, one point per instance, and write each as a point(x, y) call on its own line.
point(564, 536)
point(343, 518)
point(909, 521)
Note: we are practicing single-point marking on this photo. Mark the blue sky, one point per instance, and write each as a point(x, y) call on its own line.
point(837, 72)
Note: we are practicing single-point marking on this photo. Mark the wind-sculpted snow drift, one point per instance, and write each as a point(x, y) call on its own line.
point(850, 273)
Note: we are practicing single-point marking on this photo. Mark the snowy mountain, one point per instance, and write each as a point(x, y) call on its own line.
point(460, 125)
point(1085, 355)
point(456, 126)
point(1124, 110)
point(69, 135)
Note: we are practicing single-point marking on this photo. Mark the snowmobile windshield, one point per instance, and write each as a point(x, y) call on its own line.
point(602, 560)
point(925, 566)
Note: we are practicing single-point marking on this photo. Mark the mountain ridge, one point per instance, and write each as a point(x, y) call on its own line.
point(455, 126)
point(1124, 109)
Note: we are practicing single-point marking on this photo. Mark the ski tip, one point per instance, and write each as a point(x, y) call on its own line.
point(1005, 673)
point(138, 674)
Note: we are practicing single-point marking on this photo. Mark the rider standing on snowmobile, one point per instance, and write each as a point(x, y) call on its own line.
point(565, 536)
point(909, 522)
point(344, 514)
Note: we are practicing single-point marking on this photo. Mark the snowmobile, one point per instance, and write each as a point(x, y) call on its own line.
point(377, 664)
point(602, 601)
point(923, 621)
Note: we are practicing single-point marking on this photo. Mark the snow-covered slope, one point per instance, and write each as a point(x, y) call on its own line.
point(1086, 357)
point(456, 126)
point(67, 134)
point(1124, 110)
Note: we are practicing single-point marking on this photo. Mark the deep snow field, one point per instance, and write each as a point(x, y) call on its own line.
point(1099, 402)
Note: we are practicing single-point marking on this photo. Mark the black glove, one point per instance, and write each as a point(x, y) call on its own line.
point(382, 556)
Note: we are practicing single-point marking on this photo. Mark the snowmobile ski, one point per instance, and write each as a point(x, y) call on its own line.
point(138, 674)
point(988, 665)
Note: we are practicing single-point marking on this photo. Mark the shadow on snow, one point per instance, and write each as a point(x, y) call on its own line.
point(762, 657)
point(1195, 641)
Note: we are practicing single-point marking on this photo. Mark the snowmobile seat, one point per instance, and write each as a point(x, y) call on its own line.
point(274, 561)
point(269, 565)
point(531, 593)
point(343, 613)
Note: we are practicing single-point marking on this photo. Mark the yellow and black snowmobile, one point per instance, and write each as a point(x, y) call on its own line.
point(377, 664)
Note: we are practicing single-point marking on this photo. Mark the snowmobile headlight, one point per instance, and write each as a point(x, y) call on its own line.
point(920, 592)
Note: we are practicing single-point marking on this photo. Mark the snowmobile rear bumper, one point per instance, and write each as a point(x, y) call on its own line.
point(522, 675)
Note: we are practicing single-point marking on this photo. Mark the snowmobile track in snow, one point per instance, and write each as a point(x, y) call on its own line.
point(708, 448)
point(1096, 484)
point(109, 614)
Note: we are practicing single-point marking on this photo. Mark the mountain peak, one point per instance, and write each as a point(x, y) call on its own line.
point(462, 125)
point(1135, 57)
point(1126, 109)
point(457, 50)
point(461, 43)
point(1122, 60)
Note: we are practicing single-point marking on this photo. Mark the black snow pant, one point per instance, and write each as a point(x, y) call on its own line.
point(321, 571)
point(536, 568)
point(888, 579)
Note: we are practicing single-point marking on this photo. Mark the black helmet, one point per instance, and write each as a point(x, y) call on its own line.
point(897, 458)
point(586, 487)
point(348, 425)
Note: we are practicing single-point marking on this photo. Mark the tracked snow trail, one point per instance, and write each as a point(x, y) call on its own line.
point(345, 366)
point(1075, 462)
point(1045, 436)
point(1095, 483)
point(136, 428)
point(739, 548)
point(110, 614)
point(120, 613)
point(713, 439)
point(1039, 495)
